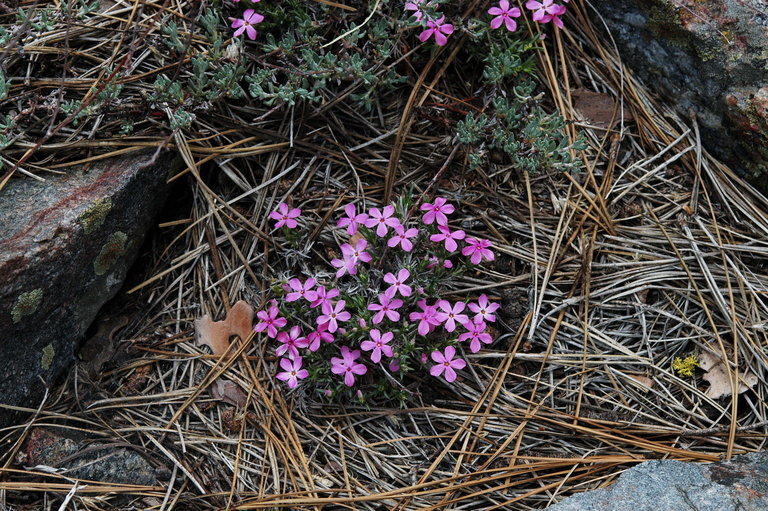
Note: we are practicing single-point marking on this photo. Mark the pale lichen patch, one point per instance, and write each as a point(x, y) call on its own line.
point(26, 304)
point(93, 217)
point(47, 359)
point(112, 250)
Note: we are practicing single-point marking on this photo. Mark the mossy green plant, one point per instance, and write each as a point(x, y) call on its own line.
point(26, 304)
point(685, 366)
point(112, 250)
point(93, 217)
point(47, 359)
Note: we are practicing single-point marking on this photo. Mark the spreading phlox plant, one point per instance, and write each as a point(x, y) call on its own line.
point(378, 319)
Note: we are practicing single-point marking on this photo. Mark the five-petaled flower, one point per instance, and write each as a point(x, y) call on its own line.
point(504, 15)
point(449, 237)
point(333, 314)
point(285, 216)
point(382, 220)
point(397, 283)
point(451, 315)
point(476, 334)
point(446, 362)
point(386, 307)
point(291, 341)
point(401, 236)
point(301, 290)
point(347, 366)
point(427, 318)
point(378, 343)
point(546, 11)
point(477, 250)
point(324, 296)
point(439, 28)
point(245, 24)
point(270, 321)
point(321, 334)
point(292, 371)
point(418, 7)
point(437, 211)
point(352, 219)
point(351, 256)
point(483, 309)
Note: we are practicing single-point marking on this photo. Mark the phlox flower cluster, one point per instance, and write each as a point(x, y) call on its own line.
point(434, 24)
point(377, 314)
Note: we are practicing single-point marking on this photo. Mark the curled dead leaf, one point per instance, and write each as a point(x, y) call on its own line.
point(599, 108)
point(216, 334)
point(229, 392)
point(717, 375)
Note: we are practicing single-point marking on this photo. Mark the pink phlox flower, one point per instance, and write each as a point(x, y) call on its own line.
point(477, 250)
point(418, 7)
point(546, 11)
point(352, 255)
point(321, 334)
point(301, 290)
point(382, 220)
point(484, 309)
point(270, 321)
point(451, 315)
point(397, 283)
point(401, 236)
point(347, 366)
point(352, 219)
point(439, 28)
point(386, 307)
point(291, 341)
point(504, 15)
point(437, 211)
point(292, 371)
point(333, 314)
point(394, 365)
point(378, 343)
point(427, 318)
point(324, 296)
point(476, 335)
point(245, 24)
point(446, 362)
point(284, 215)
point(449, 237)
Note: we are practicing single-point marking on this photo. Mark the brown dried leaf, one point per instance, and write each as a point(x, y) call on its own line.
point(644, 381)
point(718, 378)
point(229, 392)
point(216, 334)
point(598, 108)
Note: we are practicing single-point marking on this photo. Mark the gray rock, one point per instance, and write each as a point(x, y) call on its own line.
point(65, 247)
point(709, 57)
point(738, 485)
point(77, 457)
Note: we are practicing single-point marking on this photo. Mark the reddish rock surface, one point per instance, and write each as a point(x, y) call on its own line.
point(709, 56)
point(65, 248)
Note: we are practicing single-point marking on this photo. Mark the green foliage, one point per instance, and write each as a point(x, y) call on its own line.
point(5, 86)
point(295, 68)
point(514, 122)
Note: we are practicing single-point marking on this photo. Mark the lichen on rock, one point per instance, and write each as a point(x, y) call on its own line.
point(47, 359)
point(26, 304)
point(93, 217)
point(110, 253)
